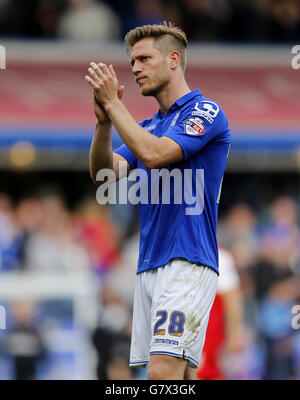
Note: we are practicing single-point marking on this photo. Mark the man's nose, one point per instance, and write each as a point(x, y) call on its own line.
point(136, 68)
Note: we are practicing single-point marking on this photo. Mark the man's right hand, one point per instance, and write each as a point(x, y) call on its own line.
point(101, 115)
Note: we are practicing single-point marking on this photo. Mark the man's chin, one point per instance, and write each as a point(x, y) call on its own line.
point(147, 91)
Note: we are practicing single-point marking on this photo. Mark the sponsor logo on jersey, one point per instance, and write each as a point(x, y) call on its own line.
point(150, 128)
point(203, 114)
point(194, 126)
point(206, 109)
point(167, 341)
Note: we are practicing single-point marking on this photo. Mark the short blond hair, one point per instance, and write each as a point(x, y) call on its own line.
point(167, 38)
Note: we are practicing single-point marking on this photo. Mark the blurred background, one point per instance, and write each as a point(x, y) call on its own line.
point(67, 264)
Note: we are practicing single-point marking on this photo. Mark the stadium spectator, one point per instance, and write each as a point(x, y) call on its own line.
point(276, 280)
point(9, 245)
point(88, 19)
point(4, 11)
point(225, 326)
point(237, 231)
point(29, 216)
point(47, 16)
point(240, 222)
point(284, 20)
point(52, 246)
point(38, 19)
point(23, 343)
point(248, 21)
point(203, 20)
point(125, 11)
point(146, 13)
point(121, 280)
point(111, 339)
point(98, 234)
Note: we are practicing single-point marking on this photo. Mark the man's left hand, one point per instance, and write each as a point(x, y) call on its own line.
point(104, 81)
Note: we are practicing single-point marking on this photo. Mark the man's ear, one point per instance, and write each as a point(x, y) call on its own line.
point(174, 59)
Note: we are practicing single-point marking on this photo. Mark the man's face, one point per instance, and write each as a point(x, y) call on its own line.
point(150, 67)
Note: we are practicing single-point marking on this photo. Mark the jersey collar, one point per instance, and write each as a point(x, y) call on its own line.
point(187, 97)
point(181, 101)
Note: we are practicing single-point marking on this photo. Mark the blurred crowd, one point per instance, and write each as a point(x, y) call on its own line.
point(266, 250)
point(41, 234)
point(202, 20)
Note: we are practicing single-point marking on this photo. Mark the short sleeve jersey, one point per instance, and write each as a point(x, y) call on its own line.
point(178, 215)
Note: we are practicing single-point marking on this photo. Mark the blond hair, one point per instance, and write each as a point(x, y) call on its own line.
point(167, 38)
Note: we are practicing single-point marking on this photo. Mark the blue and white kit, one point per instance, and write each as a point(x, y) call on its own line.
point(167, 231)
point(184, 231)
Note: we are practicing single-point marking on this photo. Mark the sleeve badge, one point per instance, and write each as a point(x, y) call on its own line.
point(194, 126)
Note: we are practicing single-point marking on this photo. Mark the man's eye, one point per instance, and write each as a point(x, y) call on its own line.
point(145, 58)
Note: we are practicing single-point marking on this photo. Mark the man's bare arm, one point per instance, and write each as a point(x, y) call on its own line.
point(102, 156)
point(152, 151)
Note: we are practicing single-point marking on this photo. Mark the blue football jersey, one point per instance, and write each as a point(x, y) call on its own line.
point(178, 214)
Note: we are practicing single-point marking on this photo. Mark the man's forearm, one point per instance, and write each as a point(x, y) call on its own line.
point(144, 146)
point(101, 154)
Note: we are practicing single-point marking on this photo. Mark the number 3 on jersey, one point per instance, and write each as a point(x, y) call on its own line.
point(176, 325)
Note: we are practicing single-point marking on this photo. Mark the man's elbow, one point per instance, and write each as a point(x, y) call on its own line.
point(151, 165)
point(162, 155)
point(151, 162)
point(103, 175)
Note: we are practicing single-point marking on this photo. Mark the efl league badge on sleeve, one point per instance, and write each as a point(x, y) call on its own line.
point(194, 126)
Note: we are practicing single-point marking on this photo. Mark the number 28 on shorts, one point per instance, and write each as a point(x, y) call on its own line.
point(176, 323)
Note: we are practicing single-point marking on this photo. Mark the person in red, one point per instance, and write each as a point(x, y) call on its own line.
point(225, 321)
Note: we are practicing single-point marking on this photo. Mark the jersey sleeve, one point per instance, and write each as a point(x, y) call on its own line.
point(198, 125)
point(124, 151)
point(128, 155)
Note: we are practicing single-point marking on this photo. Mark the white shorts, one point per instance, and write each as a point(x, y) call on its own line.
point(171, 311)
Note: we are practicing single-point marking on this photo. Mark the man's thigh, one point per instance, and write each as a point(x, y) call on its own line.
point(171, 311)
point(181, 303)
